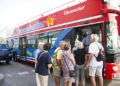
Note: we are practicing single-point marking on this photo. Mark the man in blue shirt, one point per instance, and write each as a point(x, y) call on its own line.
point(43, 63)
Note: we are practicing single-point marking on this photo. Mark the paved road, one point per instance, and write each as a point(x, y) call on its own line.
point(17, 75)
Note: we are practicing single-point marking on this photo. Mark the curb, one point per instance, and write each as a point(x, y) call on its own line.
point(1, 78)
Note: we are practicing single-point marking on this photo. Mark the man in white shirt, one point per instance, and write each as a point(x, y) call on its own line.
point(95, 67)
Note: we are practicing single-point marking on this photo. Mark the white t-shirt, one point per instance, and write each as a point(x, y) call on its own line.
point(94, 49)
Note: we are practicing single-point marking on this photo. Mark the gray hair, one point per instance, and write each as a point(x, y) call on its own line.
point(40, 45)
point(95, 37)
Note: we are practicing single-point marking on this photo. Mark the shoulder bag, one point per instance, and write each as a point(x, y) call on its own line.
point(72, 73)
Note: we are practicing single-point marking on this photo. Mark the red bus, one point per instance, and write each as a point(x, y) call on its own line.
point(70, 21)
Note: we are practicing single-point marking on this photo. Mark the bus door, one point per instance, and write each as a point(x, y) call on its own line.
point(83, 33)
point(23, 46)
point(31, 47)
point(16, 48)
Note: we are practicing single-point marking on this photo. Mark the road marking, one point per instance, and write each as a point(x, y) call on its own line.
point(18, 74)
point(9, 75)
point(23, 73)
point(33, 71)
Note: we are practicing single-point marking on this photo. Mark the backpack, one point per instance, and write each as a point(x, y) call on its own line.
point(56, 64)
point(38, 60)
point(40, 55)
point(79, 55)
point(55, 61)
point(101, 55)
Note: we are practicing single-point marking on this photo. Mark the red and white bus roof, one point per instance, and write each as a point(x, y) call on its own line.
point(81, 13)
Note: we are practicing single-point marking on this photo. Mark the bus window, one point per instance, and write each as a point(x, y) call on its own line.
point(31, 41)
point(48, 37)
point(43, 38)
point(53, 37)
point(16, 43)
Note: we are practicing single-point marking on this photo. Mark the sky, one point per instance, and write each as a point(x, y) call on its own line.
point(13, 12)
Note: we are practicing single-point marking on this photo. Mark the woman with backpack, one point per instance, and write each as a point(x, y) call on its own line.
point(43, 63)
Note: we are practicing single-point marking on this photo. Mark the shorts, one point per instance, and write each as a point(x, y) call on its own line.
point(95, 70)
point(68, 79)
point(57, 71)
point(80, 72)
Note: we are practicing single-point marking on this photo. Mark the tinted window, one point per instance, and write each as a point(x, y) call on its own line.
point(2, 46)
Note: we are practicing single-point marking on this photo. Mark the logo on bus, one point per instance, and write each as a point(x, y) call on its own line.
point(50, 21)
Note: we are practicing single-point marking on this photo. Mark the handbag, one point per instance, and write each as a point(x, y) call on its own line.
point(101, 55)
point(72, 73)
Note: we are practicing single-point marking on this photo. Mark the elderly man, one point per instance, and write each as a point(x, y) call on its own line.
point(95, 67)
